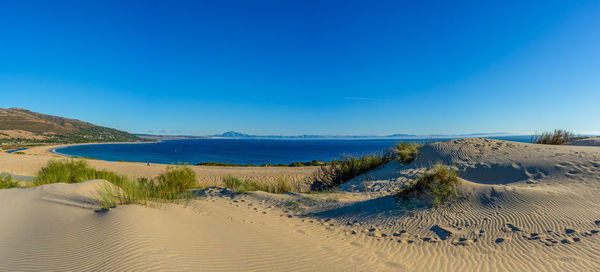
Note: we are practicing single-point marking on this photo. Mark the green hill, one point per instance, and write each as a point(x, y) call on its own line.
point(25, 125)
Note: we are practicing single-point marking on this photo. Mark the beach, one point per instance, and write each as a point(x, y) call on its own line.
point(34, 158)
point(521, 207)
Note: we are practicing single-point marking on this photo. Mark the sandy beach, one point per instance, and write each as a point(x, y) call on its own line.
point(36, 157)
point(522, 207)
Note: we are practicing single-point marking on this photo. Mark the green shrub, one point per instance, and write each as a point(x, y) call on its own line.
point(176, 179)
point(348, 167)
point(439, 182)
point(557, 137)
point(73, 171)
point(407, 152)
point(6, 182)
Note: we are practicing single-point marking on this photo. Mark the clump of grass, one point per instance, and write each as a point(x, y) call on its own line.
point(171, 185)
point(6, 182)
point(239, 185)
point(73, 171)
point(557, 137)
point(348, 167)
point(176, 179)
point(439, 182)
point(281, 185)
point(407, 152)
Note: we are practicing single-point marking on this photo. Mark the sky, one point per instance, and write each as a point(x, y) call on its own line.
point(306, 67)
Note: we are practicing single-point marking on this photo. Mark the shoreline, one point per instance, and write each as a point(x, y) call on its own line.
point(50, 149)
point(37, 157)
point(53, 148)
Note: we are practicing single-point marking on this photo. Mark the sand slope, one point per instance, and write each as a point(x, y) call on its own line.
point(522, 207)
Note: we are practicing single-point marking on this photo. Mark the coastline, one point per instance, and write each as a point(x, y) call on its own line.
point(33, 159)
point(50, 150)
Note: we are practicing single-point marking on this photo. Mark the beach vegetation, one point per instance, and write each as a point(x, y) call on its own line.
point(171, 185)
point(556, 137)
point(348, 167)
point(73, 171)
point(7, 182)
point(238, 185)
point(176, 179)
point(407, 152)
point(293, 164)
point(439, 182)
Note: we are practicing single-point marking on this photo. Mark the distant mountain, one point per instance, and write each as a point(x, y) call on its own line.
point(233, 134)
point(238, 135)
point(402, 135)
point(16, 123)
point(154, 137)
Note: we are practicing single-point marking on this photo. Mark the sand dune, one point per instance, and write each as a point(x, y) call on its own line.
point(590, 141)
point(522, 207)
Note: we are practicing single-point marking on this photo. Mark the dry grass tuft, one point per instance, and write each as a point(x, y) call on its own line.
point(407, 152)
point(281, 185)
point(557, 137)
point(439, 182)
point(7, 182)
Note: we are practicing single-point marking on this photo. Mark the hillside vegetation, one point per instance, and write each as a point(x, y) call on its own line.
point(25, 125)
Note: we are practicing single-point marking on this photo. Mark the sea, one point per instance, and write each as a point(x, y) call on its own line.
point(240, 151)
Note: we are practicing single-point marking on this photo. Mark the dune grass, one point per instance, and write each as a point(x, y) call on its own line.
point(348, 167)
point(439, 182)
point(7, 182)
point(170, 186)
point(239, 185)
point(73, 171)
point(557, 137)
point(407, 152)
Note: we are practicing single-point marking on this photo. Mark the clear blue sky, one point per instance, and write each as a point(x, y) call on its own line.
point(296, 67)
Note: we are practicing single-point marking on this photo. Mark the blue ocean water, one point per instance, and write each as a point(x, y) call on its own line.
point(238, 151)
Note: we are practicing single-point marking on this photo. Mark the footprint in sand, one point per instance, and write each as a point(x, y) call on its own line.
point(533, 236)
point(443, 233)
point(570, 231)
point(570, 240)
point(463, 242)
point(512, 228)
